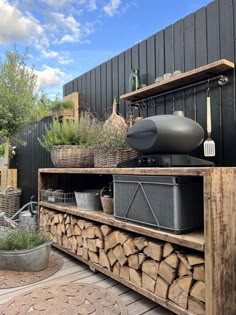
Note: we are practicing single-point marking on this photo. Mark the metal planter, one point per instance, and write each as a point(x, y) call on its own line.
point(31, 260)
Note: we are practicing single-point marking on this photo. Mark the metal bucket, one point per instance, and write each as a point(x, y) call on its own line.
point(88, 200)
point(28, 221)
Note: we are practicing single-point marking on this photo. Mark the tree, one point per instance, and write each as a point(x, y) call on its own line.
point(18, 100)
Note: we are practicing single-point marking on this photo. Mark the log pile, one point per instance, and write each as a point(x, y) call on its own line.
point(168, 271)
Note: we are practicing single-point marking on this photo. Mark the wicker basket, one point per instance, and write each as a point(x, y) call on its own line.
point(111, 159)
point(10, 201)
point(72, 156)
point(62, 112)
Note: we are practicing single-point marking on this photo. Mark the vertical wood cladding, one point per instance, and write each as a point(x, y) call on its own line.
point(29, 157)
point(200, 38)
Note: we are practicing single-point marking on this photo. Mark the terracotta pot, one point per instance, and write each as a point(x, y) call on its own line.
point(107, 205)
point(107, 202)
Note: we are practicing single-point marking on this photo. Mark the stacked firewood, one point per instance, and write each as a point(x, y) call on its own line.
point(168, 271)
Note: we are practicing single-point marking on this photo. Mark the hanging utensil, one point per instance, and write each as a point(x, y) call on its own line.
point(195, 104)
point(209, 144)
point(115, 120)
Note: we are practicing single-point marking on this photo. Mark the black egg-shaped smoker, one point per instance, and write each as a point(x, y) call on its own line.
point(166, 140)
point(165, 134)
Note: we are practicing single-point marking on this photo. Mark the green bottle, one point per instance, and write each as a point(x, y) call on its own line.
point(134, 80)
point(137, 79)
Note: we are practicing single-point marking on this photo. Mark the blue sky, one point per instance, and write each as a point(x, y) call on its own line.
point(69, 37)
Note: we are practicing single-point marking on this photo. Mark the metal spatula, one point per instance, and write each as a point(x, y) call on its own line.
point(209, 144)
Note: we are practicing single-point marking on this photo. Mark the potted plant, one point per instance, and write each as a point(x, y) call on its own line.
point(24, 250)
point(71, 142)
point(112, 148)
point(62, 108)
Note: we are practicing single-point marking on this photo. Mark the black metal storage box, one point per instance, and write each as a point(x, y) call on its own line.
point(165, 202)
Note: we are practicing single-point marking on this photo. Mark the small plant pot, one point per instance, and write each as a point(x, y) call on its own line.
point(30, 260)
point(106, 200)
point(107, 204)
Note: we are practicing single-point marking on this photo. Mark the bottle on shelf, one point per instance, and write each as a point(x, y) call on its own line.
point(134, 80)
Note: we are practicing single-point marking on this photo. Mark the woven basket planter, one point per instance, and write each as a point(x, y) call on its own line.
point(10, 201)
point(72, 156)
point(63, 112)
point(103, 158)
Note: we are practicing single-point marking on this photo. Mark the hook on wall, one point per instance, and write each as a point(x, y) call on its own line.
point(223, 80)
point(136, 105)
point(153, 104)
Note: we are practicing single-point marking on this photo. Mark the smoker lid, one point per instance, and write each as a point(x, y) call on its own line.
point(165, 134)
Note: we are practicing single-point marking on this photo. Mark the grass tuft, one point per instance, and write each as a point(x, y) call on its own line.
point(21, 240)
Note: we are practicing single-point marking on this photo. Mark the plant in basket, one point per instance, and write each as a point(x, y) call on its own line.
point(112, 148)
point(71, 142)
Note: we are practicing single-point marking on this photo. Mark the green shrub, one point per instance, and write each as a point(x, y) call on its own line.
point(57, 104)
point(68, 132)
point(112, 139)
point(12, 151)
point(22, 239)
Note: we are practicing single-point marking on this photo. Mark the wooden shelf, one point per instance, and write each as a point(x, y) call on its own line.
point(165, 303)
point(171, 171)
point(194, 240)
point(217, 241)
point(180, 80)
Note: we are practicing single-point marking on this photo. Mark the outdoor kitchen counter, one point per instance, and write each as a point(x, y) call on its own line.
point(217, 240)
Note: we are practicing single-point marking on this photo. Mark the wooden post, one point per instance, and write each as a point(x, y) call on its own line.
point(220, 240)
point(74, 97)
point(12, 177)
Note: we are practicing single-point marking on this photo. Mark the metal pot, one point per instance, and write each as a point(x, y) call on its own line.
point(30, 260)
point(88, 199)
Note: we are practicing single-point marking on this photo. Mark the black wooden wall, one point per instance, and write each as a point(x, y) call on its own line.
point(30, 156)
point(200, 38)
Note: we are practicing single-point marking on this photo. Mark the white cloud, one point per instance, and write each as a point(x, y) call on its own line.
point(16, 27)
point(69, 38)
point(41, 43)
point(50, 77)
point(71, 29)
point(56, 3)
point(92, 5)
point(111, 7)
point(54, 54)
point(69, 26)
point(60, 20)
